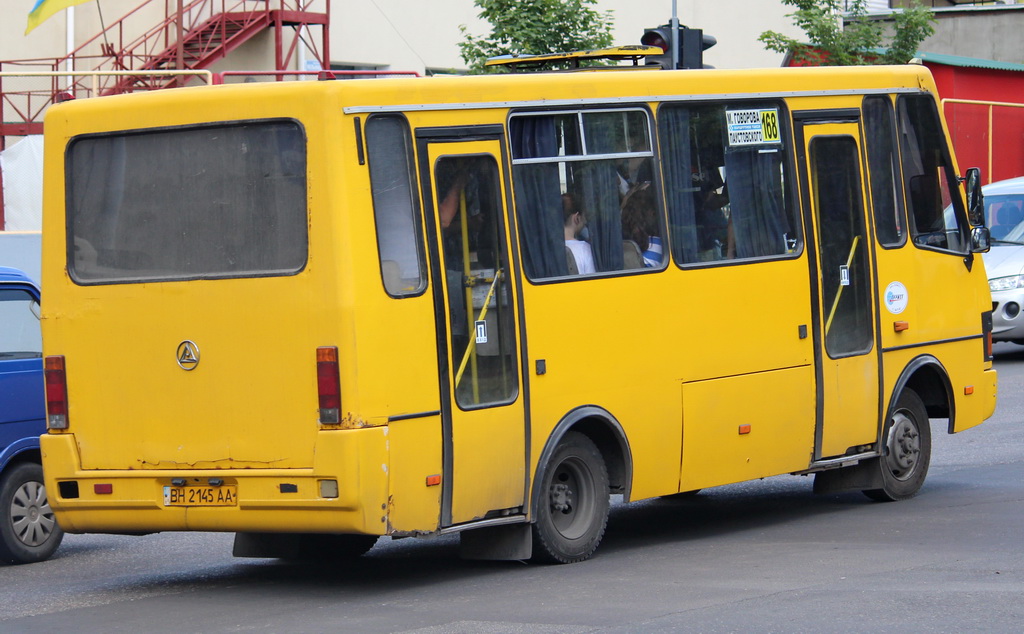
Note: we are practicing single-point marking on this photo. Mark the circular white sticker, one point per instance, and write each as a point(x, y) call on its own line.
point(896, 298)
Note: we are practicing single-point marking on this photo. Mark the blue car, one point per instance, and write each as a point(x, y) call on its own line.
point(28, 531)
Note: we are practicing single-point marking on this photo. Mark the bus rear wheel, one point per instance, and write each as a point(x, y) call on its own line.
point(906, 450)
point(573, 511)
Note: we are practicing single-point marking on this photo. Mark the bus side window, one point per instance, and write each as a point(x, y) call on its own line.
point(879, 132)
point(395, 208)
point(585, 193)
point(725, 182)
point(929, 177)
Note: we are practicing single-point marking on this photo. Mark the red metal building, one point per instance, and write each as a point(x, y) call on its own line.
point(989, 135)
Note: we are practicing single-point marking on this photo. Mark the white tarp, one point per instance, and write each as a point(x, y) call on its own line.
point(22, 166)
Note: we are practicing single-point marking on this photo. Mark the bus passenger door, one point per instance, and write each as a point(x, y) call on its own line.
point(846, 349)
point(484, 433)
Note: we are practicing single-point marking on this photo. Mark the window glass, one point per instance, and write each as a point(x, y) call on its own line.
point(394, 205)
point(886, 199)
point(1004, 216)
point(725, 174)
point(616, 132)
point(585, 193)
point(20, 337)
point(477, 281)
point(929, 177)
point(186, 203)
point(843, 250)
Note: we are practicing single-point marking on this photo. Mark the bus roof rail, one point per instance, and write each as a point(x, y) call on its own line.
point(573, 58)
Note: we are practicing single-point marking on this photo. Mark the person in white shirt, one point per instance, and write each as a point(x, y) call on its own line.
point(574, 223)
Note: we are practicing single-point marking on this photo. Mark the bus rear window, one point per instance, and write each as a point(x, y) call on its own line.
point(195, 202)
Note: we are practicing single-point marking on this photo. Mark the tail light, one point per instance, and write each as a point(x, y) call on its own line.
point(328, 382)
point(56, 393)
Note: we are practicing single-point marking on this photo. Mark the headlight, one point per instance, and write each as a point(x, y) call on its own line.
point(1006, 283)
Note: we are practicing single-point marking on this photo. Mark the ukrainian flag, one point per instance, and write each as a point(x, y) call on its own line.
point(43, 9)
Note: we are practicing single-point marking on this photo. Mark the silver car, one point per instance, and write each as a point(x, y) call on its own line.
point(1004, 216)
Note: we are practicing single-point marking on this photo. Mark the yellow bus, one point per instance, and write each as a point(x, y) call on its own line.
point(316, 313)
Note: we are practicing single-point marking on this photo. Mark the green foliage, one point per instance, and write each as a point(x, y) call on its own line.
point(535, 27)
point(861, 42)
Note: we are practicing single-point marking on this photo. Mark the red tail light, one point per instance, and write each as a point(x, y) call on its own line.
point(328, 382)
point(56, 393)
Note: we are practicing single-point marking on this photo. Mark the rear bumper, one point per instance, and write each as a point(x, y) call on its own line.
point(268, 500)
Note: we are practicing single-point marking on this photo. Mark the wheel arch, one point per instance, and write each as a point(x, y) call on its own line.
point(24, 450)
point(601, 427)
point(929, 379)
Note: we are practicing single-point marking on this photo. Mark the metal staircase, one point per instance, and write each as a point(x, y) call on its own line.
point(208, 30)
point(192, 35)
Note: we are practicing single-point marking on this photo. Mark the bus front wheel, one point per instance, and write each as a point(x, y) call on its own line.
point(906, 450)
point(573, 512)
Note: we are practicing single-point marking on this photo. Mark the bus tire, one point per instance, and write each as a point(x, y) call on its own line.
point(573, 509)
point(28, 530)
point(906, 450)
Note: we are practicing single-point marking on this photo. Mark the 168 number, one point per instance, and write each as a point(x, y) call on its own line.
point(770, 125)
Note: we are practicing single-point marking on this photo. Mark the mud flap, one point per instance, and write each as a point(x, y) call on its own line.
point(863, 476)
point(500, 543)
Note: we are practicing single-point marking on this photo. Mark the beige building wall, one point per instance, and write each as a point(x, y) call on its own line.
point(417, 35)
point(995, 33)
point(49, 40)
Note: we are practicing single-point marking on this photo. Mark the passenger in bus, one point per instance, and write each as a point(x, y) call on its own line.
point(632, 173)
point(640, 223)
point(449, 205)
point(461, 180)
point(453, 178)
point(715, 233)
point(574, 221)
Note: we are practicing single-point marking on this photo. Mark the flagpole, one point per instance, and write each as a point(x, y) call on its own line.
point(70, 42)
point(103, 27)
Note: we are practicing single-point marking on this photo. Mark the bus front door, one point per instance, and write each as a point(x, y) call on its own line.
point(846, 347)
point(484, 433)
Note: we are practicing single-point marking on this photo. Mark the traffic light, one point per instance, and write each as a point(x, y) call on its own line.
point(692, 44)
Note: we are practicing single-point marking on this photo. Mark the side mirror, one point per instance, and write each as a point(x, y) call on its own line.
point(975, 199)
point(981, 240)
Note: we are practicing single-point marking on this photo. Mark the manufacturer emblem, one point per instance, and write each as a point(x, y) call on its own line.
point(896, 298)
point(188, 355)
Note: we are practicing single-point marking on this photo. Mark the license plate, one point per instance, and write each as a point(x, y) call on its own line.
point(226, 495)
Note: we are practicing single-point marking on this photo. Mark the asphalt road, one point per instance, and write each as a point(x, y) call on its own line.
point(758, 557)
